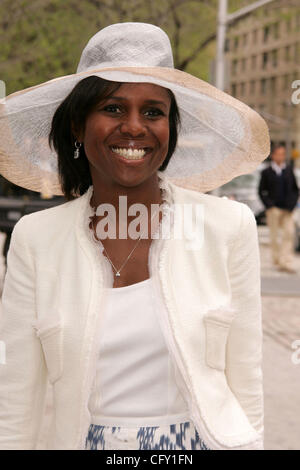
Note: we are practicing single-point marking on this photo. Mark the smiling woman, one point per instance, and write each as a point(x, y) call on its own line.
point(125, 137)
point(105, 123)
point(153, 343)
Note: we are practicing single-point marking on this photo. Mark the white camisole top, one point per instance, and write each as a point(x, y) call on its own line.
point(135, 379)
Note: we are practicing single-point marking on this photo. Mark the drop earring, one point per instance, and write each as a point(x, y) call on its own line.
point(77, 147)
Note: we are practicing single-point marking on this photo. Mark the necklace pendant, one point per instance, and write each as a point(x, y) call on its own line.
point(118, 274)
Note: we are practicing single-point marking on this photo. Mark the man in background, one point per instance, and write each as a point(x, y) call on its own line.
point(279, 192)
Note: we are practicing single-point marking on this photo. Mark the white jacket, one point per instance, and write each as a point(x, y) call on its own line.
point(51, 305)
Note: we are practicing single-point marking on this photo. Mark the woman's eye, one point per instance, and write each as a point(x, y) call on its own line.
point(157, 111)
point(110, 106)
point(153, 111)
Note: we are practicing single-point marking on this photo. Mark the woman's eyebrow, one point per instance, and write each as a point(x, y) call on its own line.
point(150, 101)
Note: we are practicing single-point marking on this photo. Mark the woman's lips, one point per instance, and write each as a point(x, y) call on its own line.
point(147, 149)
point(132, 161)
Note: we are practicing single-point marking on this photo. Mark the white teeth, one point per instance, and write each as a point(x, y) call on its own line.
point(129, 153)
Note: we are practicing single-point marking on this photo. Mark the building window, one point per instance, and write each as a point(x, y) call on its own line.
point(285, 82)
point(263, 86)
point(288, 25)
point(236, 43)
point(245, 37)
point(243, 65)
point(274, 58)
point(254, 36)
point(283, 109)
point(252, 87)
point(273, 84)
point(243, 88)
point(234, 66)
point(297, 52)
point(266, 33)
point(276, 30)
point(253, 62)
point(265, 59)
point(227, 45)
point(233, 89)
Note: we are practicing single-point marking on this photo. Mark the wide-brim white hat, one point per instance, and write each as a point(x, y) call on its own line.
point(220, 137)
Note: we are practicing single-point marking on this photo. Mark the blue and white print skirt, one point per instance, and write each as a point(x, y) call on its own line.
point(179, 436)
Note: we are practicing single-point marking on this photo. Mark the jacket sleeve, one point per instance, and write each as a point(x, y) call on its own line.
point(245, 338)
point(295, 192)
point(263, 191)
point(23, 376)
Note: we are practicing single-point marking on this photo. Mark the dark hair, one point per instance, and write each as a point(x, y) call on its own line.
point(277, 146)
point(74, 175)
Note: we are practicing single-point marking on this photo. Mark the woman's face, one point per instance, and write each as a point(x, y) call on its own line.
point(135, 116)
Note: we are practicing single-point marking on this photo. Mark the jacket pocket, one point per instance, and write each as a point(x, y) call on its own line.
point(216, 334)
point(51, 339)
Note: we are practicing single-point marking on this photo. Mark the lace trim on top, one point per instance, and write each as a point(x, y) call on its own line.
point(166, 209)
point(104, 276)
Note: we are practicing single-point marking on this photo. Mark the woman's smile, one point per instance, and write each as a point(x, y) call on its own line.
point(127, 134)
point(130, 155)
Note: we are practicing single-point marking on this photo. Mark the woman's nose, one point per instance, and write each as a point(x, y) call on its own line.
point(133, 124)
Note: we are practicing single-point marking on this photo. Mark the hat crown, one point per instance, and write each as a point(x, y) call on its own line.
point(127, 44)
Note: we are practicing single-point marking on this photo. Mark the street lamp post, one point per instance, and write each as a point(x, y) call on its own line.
point(225, 19)
point(221, 38)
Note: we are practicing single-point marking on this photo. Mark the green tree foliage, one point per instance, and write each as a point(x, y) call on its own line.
point(43, 39)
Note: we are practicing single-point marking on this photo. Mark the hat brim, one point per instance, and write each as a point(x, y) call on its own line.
point(220, 139)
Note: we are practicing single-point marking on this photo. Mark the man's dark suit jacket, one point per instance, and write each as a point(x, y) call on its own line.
point(269, 187)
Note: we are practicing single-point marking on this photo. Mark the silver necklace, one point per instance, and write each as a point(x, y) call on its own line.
point(117, 271)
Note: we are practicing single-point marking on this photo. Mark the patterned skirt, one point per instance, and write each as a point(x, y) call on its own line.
point(179, 436)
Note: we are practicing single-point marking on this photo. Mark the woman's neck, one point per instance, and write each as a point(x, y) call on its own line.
point(146, 193)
